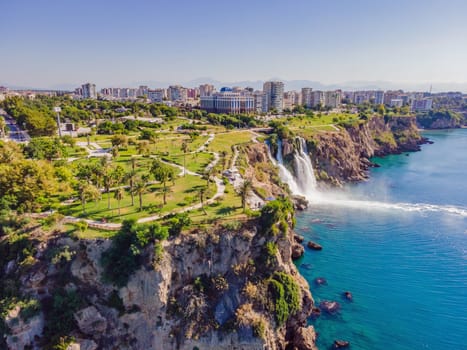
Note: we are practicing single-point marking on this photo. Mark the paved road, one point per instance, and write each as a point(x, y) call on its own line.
point(15, 133)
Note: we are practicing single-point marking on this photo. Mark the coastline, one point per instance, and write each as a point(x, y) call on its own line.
point(344, 239)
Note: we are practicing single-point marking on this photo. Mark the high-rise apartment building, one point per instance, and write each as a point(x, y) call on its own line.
point(88, 90)
point(318, 98)
point(292, 99)
point(206, 90)
point(333, 99)
point(275, 95)
point(177, 93)
point(156, 95)
point(379, 97)
point(422, 105)
point(307, 97)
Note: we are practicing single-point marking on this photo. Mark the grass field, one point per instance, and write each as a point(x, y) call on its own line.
point(183, 193)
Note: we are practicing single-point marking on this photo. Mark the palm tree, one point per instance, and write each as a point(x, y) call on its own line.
point(208, 173)
point(131, 177)
point(118, 195)
point(202, 194)
point(162, 173)
point(185, 150)
point(244, 191)
point(139, 188)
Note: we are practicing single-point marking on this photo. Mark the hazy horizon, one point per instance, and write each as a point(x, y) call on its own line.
point(411, 45)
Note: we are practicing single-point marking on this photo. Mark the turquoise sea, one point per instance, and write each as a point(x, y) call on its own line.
point(398, 243)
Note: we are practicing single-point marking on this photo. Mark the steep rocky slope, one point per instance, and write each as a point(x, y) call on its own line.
point(344, 155)
point(216, 288)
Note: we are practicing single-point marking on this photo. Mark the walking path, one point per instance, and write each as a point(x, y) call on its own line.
point(253, 200)
point(93, 149)
point(220, 190)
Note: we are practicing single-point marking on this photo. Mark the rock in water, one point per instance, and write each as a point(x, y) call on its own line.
point(297, 251)
point(298, 238)
point(320, 281)
point(348, 296)
point(315, 312)
point(331, 307)
point(314, 245)
point(339, 344)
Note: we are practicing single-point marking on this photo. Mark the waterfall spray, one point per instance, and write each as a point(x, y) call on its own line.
point(304, 184)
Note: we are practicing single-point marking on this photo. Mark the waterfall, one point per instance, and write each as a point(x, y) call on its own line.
point(304, 172)
point(284, 173)
point(304, 181)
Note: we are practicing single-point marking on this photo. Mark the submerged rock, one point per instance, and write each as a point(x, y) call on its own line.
point(315, 312)
point(320, 281)
point(314, 245)
point(331, 307)
point(339, 344)
point(347, 295)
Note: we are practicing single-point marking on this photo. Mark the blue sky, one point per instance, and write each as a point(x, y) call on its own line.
point(44, 43)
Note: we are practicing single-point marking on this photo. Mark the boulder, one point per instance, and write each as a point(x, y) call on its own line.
point(319, 281)
point(22, 333)
point(315, 312)
point(300, 202)
point(90, 321)
point(297, 251)
point(305, 338)
point(314, 245)
point(82, 344)
point(340, 344)
point(331, 307)
point(347, 295)
point(298, 238)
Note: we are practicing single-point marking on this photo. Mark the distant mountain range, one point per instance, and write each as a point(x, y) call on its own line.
point(258, 85)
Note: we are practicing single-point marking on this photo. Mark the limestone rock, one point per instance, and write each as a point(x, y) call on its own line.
point(297, 251)
point(22, 333)
point(90, 321)
point(314, 245)
point(305, 339)
point(331, 307)
point(82, 344)
point(339, 344)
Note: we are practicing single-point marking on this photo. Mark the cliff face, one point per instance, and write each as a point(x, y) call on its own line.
point(343, 156)
point(210, 290)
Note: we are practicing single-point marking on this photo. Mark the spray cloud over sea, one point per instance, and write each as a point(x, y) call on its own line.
point(304, 183)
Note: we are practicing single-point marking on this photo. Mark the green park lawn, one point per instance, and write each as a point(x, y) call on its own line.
point(196, 162)
point(184, 193)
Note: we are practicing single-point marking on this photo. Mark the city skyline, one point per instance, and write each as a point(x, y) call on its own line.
point(114, 43)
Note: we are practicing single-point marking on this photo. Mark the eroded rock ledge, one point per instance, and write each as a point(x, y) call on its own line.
point(214, 288)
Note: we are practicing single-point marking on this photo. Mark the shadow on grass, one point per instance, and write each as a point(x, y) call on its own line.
point(225, 210)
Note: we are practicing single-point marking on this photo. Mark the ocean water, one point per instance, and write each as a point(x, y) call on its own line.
point(398, 243)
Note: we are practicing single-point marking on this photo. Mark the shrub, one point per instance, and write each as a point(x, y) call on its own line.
point(114, 301)
point(59, 312)
point(274, 212)
point(286, 295)
point(124, 255)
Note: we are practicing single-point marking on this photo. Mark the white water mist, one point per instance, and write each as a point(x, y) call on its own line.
point(304, 184)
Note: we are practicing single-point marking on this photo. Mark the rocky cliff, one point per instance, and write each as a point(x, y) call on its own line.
point(230, 286)
point(344, 155)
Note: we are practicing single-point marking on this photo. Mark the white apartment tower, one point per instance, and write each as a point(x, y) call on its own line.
point(89, 90)
point(275, 95)
point(307, 97)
